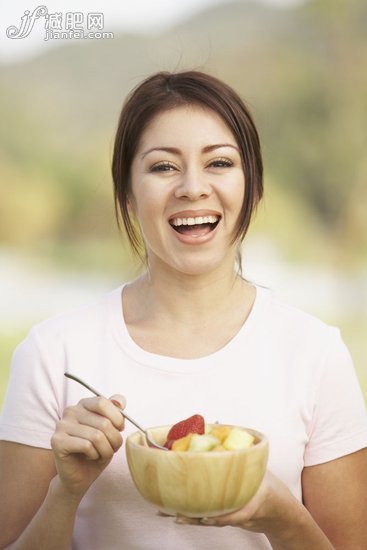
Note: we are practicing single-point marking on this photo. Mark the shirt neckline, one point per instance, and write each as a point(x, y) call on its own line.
point(173, 364)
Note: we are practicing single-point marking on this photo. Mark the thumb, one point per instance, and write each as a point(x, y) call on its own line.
point(118, 400)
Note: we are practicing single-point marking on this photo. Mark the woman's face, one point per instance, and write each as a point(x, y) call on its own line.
point(187, 190)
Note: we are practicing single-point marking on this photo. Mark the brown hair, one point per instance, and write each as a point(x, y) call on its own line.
point(163, 91)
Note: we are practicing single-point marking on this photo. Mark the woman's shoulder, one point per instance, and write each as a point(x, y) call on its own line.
point(283, 317)
point(82, 320)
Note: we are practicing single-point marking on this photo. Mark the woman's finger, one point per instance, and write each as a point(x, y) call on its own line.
point(118, 400)
point(104, 407)
point(234, 519)
point(96, 437)
point(64, 446)
point(184, 520)
point(100, 423)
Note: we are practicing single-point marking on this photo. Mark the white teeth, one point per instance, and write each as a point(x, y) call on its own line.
point(194, 221)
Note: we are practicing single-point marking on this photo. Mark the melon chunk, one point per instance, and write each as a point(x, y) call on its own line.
point(200, 443)
point(238, 439)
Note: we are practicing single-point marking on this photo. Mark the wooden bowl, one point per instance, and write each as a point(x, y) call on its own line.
point(196, 484)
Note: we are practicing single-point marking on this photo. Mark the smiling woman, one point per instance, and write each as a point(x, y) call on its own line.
point(190, 335)
point(190, 193)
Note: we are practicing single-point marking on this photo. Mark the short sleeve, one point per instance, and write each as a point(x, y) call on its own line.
point(32, 402)
point(339, 419)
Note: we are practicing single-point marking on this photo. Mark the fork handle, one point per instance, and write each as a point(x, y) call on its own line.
point(124, 414)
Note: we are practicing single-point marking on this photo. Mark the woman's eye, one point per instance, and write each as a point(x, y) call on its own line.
point(162, 167)
point(221, 163)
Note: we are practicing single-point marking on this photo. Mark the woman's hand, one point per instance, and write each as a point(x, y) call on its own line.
point(85, 441)
point(256, 514)
point(275, 512)
point(264, 512)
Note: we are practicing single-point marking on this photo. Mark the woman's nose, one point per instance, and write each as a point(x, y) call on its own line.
point(193, 185)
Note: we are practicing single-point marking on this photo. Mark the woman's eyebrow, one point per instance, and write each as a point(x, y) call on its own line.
point(173, 150)
point(210, 148)
point(176, 151)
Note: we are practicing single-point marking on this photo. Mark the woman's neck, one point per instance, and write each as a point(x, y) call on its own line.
point(189, 299)
point(186, 316)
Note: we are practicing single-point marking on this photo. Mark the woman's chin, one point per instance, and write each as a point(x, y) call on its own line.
point(201, 266)
point(192, 263)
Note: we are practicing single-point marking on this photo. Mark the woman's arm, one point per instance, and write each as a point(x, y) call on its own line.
point(26, 493)
point(335, 493)
point(35, 512)
point(25, 476)
point(41, 490)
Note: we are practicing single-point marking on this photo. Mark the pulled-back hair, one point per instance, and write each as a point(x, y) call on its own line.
point(164, 91)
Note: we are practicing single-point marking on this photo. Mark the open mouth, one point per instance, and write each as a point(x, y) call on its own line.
point(197, 227)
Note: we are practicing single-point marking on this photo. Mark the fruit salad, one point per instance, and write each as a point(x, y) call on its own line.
point(192, 435)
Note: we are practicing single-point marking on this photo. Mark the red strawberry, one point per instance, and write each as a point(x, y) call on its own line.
point(193, 425)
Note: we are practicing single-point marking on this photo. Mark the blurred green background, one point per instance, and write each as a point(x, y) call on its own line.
point(302, 70)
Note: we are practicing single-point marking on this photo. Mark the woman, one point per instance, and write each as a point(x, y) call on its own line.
point(188, 336)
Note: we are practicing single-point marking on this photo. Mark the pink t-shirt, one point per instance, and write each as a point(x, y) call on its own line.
point(285, 373)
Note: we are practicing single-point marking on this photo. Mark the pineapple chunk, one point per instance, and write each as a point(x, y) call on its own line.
point(205, 442)
point(183, 443)
point(238, 439)
point(221, 432)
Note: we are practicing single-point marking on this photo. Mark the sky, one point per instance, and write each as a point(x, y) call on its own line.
point(119, 16)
